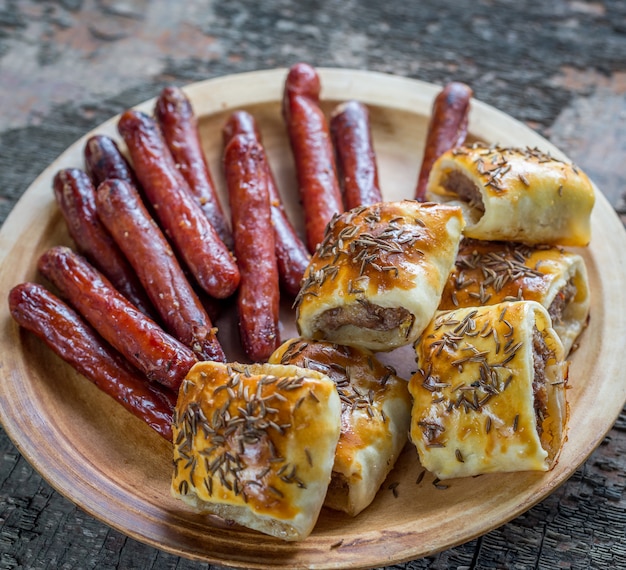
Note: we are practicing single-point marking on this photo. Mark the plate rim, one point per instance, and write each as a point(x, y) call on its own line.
point(331, 78)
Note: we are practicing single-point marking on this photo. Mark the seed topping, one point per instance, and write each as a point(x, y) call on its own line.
point(243, 425)
point(367, 240)
point(477, 272)
point(487, 371)
point(355, 394)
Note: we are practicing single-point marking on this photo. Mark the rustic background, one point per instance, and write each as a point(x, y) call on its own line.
point(560, 66)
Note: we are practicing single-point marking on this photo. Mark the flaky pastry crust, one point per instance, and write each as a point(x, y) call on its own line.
point(489, 395)
point(516, 194)
point(256, 444)
point(375, 280)
point(486, 273)
point(375, 417)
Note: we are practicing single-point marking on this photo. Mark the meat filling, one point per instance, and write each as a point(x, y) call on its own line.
point(541, 354)
point(459, 184)
point(563, 298)
point(364, 314)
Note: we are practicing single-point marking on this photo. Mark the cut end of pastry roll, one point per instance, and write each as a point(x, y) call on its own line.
point(490, 272)
point(375, 417)
point(490, 392)
point(516, 194)
point(256, 444)
point(376, 279)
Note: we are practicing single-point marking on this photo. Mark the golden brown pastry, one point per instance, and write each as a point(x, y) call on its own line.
point(375, 417)
point(376, 279)
point(256, 444)
point(489, 272)
point(516, 194)
point(490, 392)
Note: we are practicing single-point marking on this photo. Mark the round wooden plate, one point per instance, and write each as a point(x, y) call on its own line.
point(114, 467)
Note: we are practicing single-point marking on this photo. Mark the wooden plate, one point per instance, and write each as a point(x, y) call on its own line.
point(110, 464)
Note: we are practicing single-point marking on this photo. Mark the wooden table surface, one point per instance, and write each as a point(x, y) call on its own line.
point(560, 67)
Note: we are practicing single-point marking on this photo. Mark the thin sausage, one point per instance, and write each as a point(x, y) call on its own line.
point(144, 343)
point(292, 255)
point(447, 129)
point(123, 213)
point(76, 197)
point(42, 313)
point(258, 296)
point(104, 159)
point(179, 126)
point(312, 151)
point(196, 241)
point(356, 160)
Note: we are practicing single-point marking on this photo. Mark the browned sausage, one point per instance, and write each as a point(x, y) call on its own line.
point(447, 128)
point(144, 343)
point(196, 241)
point(291, 253)
point(60, 327)
point(258, 296)
point(76, 197)
point(356, 160)
point(103, 159)
point(123, 213)
point(179, 125)
point(312, 151)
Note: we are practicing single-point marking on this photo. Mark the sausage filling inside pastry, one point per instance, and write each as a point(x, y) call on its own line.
point(490, 392)
point(516, 194)
point(457, 183)
point(367, 315)
point(376, 279)
point(488, 272)
point(375, 417)
point(256, 444)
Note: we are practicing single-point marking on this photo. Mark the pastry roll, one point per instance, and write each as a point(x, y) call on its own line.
point(515, 194)
point(488, 272)
point(256, 444)
point(490, 392)
point(376, 278)
point(375, 417)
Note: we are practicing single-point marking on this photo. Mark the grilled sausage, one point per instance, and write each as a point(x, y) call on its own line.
point(291, 253)
point(312, 151)
point(144, 344)
point(447, 129)
point(145, 246)
point(75, 195)
point(42, 313)
point(103, 159)
point(258, 297)
point(356, 160)
point(196, 241)
point(179, 125)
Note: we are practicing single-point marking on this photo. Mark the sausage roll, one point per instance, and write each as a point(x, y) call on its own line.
point(515, 194)
point(256, 444)
point(375, 417)
point(490, 392)
point(376, 278)
point(488, 272)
